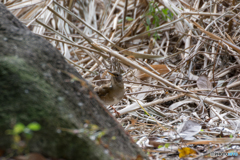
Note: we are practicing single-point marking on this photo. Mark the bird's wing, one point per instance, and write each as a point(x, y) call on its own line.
point(102, 91)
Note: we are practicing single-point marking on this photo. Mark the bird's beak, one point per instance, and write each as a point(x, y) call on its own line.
point(111, 73)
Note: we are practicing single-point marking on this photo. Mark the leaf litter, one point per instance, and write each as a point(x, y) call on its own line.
point(180, 61)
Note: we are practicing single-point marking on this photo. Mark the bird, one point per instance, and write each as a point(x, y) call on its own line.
point(112, 92)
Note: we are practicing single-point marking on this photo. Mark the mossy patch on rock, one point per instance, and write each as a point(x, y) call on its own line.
point(26, 97)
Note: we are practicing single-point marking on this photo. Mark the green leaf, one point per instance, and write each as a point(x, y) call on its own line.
point(147, 28)
point(120, 21)
point(153, 11)
point(156, 18)
point(129, 18)
point(148, 13)
point(160, 146)
point(202, 130)
point(18, 128)
point(167, 145)
point(148, 21)
point(151, 8)
point(153, 22)
point(231, 136)
point(165, 11)
point(101, 133)
point(93, 127)
point(170, 15)
point(34, 126)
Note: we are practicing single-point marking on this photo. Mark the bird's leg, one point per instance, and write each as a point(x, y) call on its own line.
point(115, 111)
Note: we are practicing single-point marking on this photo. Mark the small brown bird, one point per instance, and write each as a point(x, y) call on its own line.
point(112, 92)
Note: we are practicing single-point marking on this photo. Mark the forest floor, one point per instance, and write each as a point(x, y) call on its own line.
point(180, 61)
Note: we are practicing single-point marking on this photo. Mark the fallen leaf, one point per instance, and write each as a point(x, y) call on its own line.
point(186, 151)
point(204, 83)
point(188, 129)
point(160, 68)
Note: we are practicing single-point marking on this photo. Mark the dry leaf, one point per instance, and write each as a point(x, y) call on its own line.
point(184, 152)
point(204, 83)
point(160, 68)
point(188, 129)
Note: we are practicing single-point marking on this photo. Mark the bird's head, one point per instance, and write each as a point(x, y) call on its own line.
point(116, 77)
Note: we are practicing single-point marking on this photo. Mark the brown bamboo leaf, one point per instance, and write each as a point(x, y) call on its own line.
point(160, 68)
